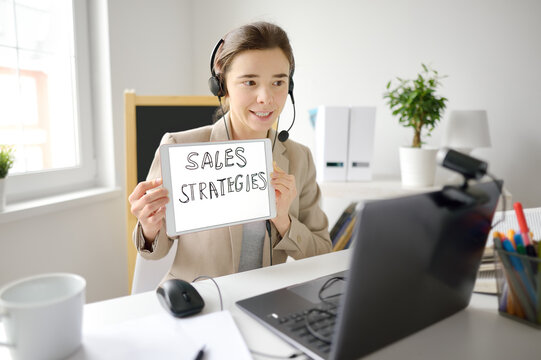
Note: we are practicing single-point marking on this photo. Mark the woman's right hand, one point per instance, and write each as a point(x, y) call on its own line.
point(148, 205)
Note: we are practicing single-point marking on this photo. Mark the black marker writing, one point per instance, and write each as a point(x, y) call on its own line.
point(208, 161)
point(193, 165)
point(228, 157)
point(238, 152)
point(232, 184)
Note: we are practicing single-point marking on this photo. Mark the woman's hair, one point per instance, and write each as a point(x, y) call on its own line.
point(255, 36)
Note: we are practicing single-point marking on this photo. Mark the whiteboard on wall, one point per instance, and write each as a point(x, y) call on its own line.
point(217, 184)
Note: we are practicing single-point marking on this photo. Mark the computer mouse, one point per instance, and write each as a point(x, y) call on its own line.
point(179, 298)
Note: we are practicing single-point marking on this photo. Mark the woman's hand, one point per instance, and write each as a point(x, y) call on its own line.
point(148, 205)
point(285, 190)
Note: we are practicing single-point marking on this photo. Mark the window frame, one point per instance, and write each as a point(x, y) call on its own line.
point(39, 184)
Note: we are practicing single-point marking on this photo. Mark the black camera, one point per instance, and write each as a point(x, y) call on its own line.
point(469, 167)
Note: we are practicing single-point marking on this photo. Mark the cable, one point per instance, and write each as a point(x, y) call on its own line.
point(217, 287)
point(294, 114)
point(284, 134)
point(327, 284)
point(314, 332)
point(268, 226)
point(276, 132)
point(223, 116)
point(292, 356)
point(504, 204)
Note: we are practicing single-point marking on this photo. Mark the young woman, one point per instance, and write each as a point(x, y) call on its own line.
point(253, 70)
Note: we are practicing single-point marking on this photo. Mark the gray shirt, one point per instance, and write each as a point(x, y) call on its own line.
point(253, 236)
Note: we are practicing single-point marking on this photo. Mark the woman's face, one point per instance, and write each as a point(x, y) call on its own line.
point(257, 84)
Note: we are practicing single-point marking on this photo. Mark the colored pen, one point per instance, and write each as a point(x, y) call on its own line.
point(526, 250)
point(524, 272)
point(530, 250)
point(495, 236)
point(520, 244)
point(525, 232)
point(506, 244)
point(522, 223)
point(511, 236)
point(513, 282)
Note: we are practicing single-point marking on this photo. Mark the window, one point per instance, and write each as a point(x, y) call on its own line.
point(44, 88)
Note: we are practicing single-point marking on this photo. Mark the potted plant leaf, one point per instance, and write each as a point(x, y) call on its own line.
point(6, 162)
point(415, 103)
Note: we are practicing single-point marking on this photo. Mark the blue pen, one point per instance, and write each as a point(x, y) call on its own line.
point(526, 250)
point(517, 264)
point(514, 282)
point(520, 244)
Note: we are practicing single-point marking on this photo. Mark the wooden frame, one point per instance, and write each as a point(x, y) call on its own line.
point(131, 101)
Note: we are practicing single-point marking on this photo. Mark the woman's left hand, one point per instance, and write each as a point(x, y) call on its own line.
point(285, 190)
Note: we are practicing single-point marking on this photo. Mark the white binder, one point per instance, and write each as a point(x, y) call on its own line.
point(362, 123)
point(332, 125)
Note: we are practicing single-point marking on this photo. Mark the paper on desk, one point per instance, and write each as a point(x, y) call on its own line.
point(165, 337)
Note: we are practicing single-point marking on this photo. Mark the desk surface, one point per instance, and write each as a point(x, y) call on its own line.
point(478, 332)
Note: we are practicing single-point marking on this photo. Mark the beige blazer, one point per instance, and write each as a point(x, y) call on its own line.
point(217, 252)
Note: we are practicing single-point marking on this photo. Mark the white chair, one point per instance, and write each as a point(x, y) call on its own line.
point(149, 273)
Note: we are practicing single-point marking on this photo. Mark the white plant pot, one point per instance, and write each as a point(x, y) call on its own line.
point(2, 194)
point(417, 166)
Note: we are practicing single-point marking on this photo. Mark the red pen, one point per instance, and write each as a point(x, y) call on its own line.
point(528, 244)
point(522, 223)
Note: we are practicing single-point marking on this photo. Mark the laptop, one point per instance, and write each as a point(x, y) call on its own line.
point(414, 262)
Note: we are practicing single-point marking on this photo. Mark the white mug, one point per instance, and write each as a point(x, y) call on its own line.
point(42, 315)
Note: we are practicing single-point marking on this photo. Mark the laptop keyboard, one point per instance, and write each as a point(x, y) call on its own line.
point(321, 320)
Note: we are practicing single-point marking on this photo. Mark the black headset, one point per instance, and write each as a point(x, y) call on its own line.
point(217, 88)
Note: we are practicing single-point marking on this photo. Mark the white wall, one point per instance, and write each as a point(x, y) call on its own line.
point(151, 52)
point(346, 51)
point(85, 240)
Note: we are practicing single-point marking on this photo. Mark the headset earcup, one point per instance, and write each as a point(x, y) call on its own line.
point(215, 86)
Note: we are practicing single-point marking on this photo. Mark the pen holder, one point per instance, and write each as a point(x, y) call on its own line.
point(518, 280)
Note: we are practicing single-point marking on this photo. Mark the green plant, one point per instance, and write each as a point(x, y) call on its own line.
point(6, 160)
point(416, 104)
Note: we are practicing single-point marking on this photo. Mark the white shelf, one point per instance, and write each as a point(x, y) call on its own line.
point(377, 189)
point(336, 196)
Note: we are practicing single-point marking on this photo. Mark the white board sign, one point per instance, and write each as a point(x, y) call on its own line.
point(217, 184)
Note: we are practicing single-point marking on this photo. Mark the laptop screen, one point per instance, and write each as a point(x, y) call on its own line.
point(414, 262)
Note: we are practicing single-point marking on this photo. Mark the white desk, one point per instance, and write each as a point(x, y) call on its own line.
point(478, 332)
